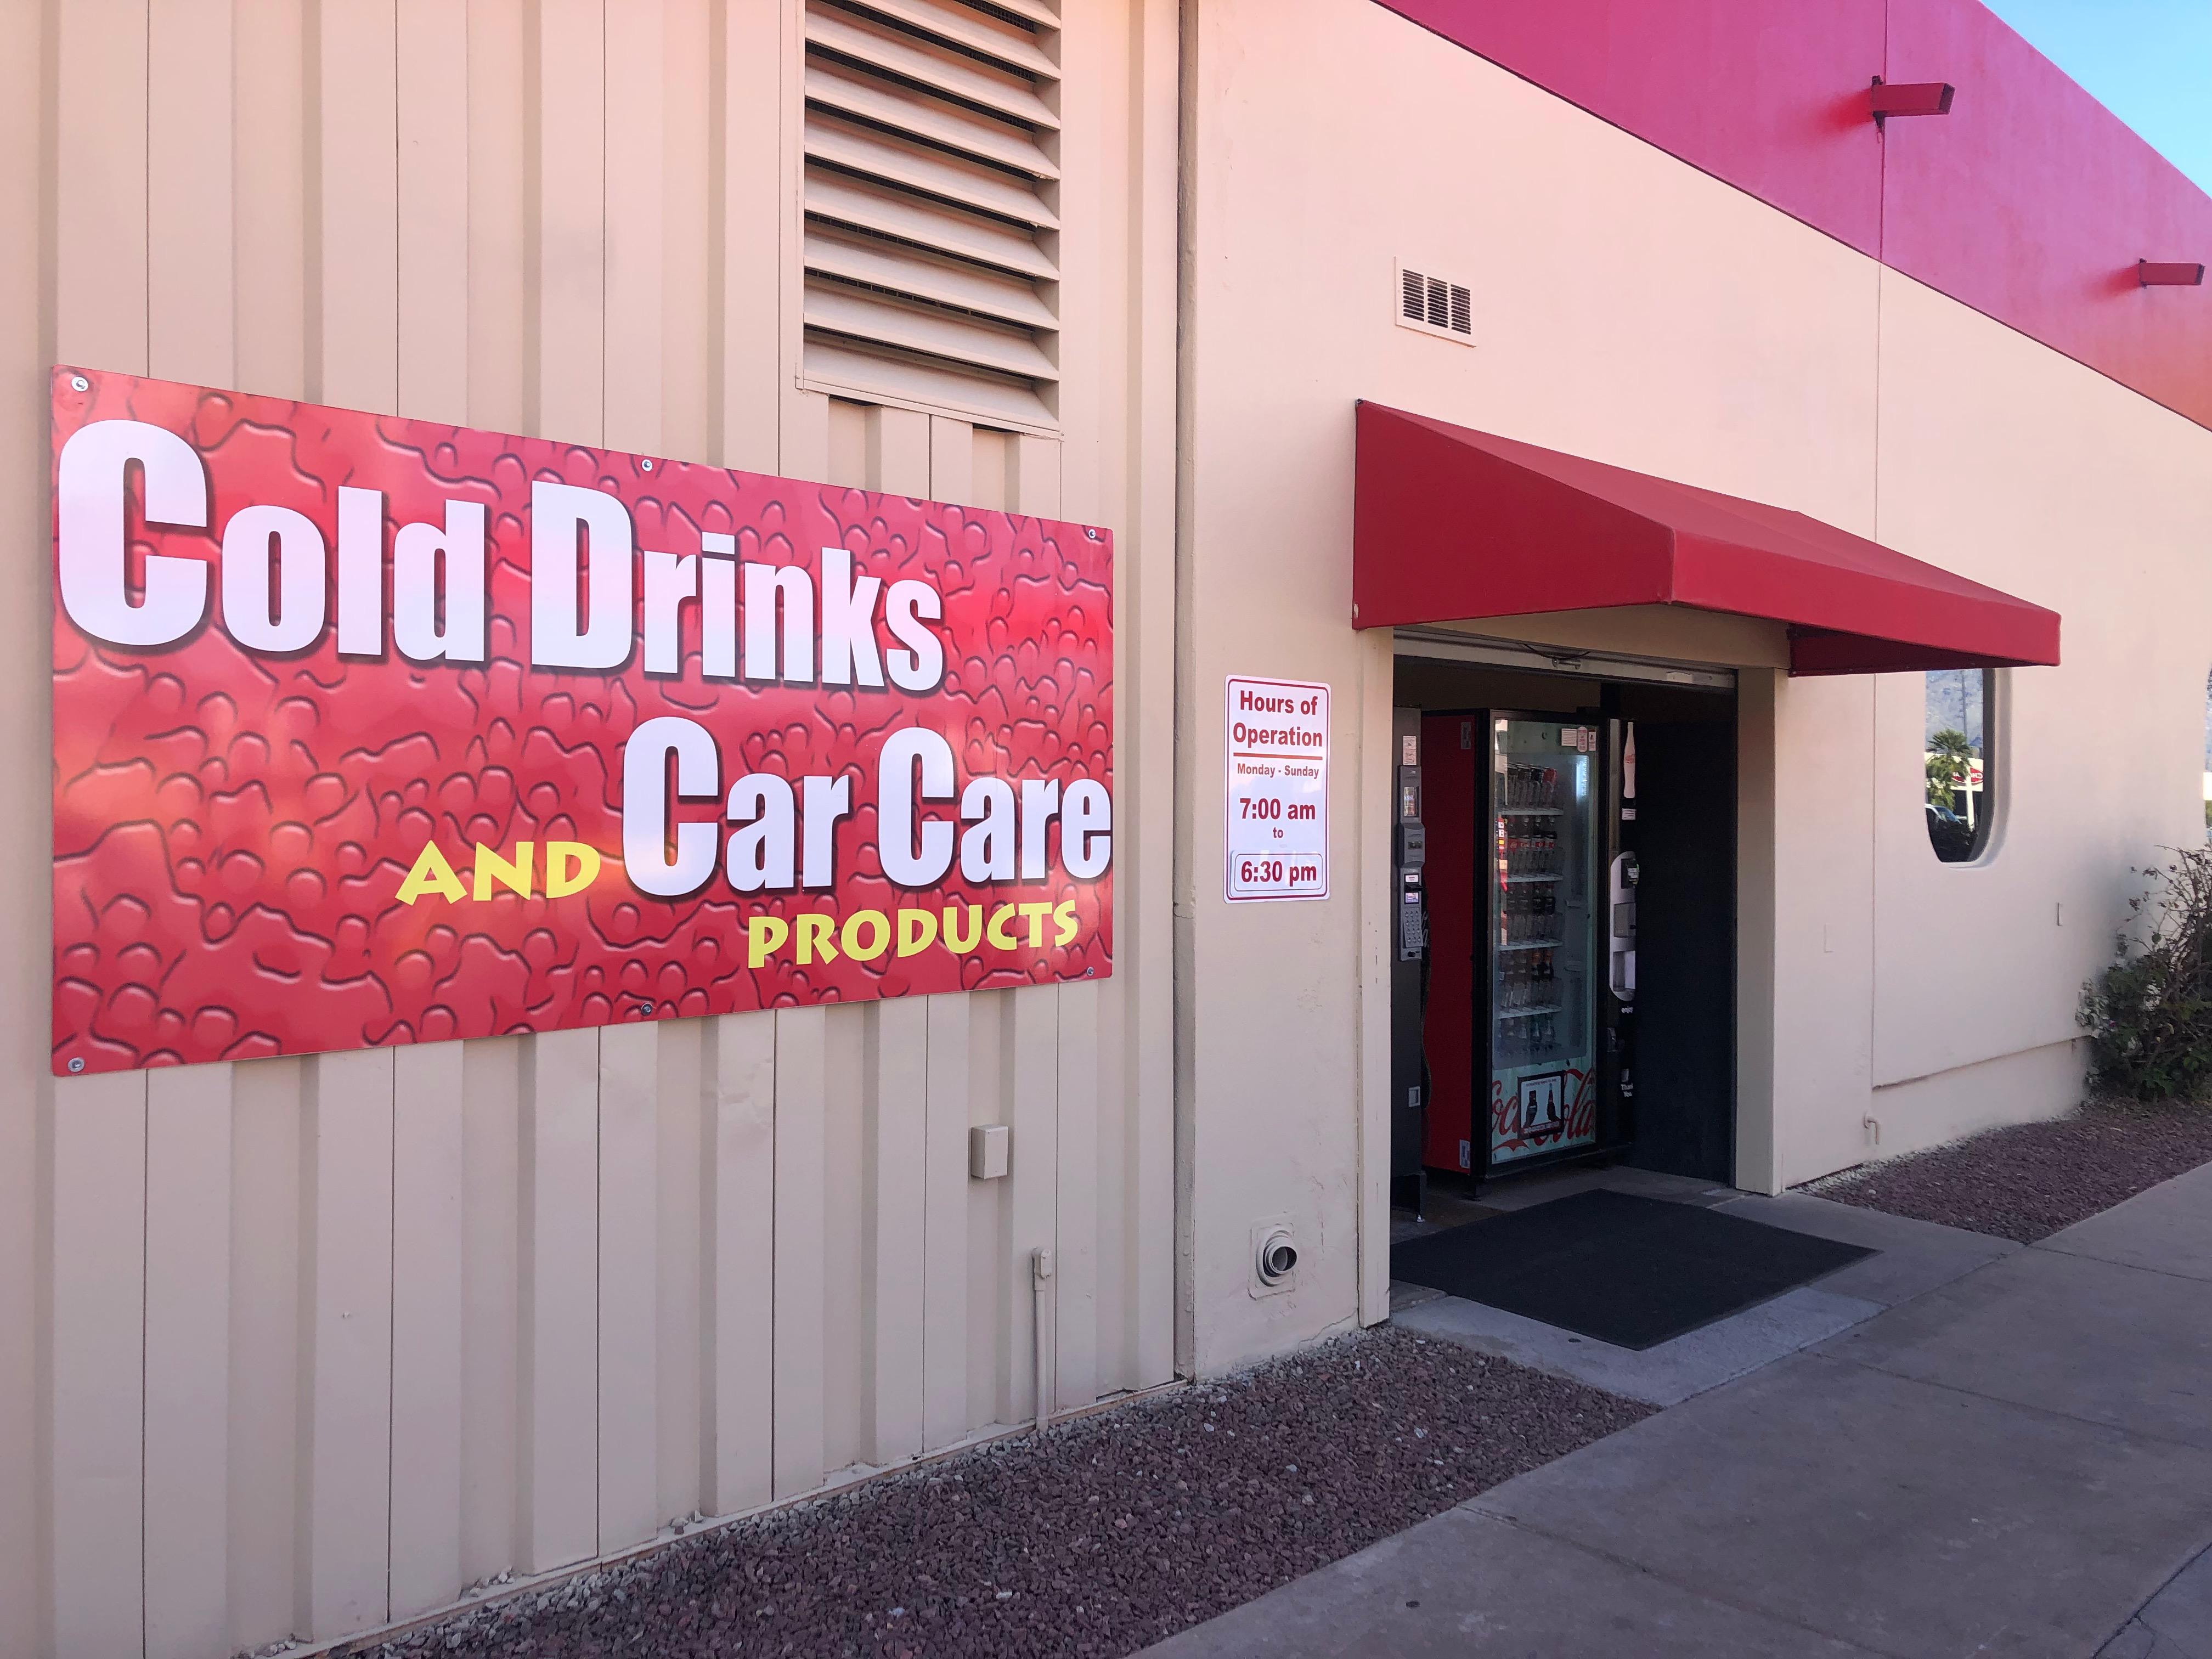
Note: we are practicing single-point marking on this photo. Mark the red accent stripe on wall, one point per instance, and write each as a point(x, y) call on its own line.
point(1768, 94)
point(2030, 201)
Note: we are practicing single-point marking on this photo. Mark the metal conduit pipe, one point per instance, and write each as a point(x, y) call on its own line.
point(1041, 1287)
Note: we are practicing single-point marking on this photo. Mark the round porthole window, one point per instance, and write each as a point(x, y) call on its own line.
point(1959, 762)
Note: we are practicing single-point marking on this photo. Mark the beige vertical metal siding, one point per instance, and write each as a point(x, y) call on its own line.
point(295, 1347)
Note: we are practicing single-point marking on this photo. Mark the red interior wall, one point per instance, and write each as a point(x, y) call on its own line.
point(1448, 808)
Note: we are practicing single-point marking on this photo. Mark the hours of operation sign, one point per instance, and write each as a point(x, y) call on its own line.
point(1278, 761)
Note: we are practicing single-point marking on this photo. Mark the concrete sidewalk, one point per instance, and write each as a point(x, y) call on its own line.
point(2015, 1458)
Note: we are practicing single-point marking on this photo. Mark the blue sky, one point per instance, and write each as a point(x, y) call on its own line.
point(2148, 60)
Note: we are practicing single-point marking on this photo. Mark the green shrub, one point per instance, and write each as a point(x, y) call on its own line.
point(2150, 1013)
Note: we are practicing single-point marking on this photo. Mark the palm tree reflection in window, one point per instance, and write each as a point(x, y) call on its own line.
point(1960, 797)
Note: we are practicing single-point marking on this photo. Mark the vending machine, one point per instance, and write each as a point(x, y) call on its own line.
point(1409, 967)
point(1551, 941)
point(1514, 993)
point(1616, 1008)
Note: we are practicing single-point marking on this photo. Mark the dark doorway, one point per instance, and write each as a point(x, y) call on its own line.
point(1665, 1070)
point(1684, 1109)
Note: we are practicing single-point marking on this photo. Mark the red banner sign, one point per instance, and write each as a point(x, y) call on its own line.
point(373, 731)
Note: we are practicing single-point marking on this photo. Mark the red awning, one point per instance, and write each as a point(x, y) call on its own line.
point(1449, 524)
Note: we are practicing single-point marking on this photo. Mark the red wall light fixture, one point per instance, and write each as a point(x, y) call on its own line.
point(1910, 98)
point(2153, 273)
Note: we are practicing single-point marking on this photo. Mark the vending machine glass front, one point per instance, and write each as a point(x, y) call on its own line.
point(1543, 925)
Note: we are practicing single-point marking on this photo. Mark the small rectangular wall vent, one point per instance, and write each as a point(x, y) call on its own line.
point(1434, 304)
point(931, 246)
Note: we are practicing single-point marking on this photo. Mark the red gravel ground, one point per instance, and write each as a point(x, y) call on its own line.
point(2028, 1180)
point(1112, 1533)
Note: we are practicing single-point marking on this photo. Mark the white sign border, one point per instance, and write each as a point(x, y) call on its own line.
point(1229, 790)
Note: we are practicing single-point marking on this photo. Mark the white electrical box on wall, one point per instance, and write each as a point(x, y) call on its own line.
point(990, 1150)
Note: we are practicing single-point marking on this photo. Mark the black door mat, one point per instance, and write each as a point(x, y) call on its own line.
point(1627, 1270)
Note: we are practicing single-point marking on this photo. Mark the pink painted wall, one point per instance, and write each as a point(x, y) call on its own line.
point(2030, 202)
point(1768, 94)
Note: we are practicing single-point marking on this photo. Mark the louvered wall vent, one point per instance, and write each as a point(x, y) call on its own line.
point(933, 235)
point(1434, 304)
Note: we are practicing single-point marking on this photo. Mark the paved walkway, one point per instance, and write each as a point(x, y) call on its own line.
point(1958, 1447)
